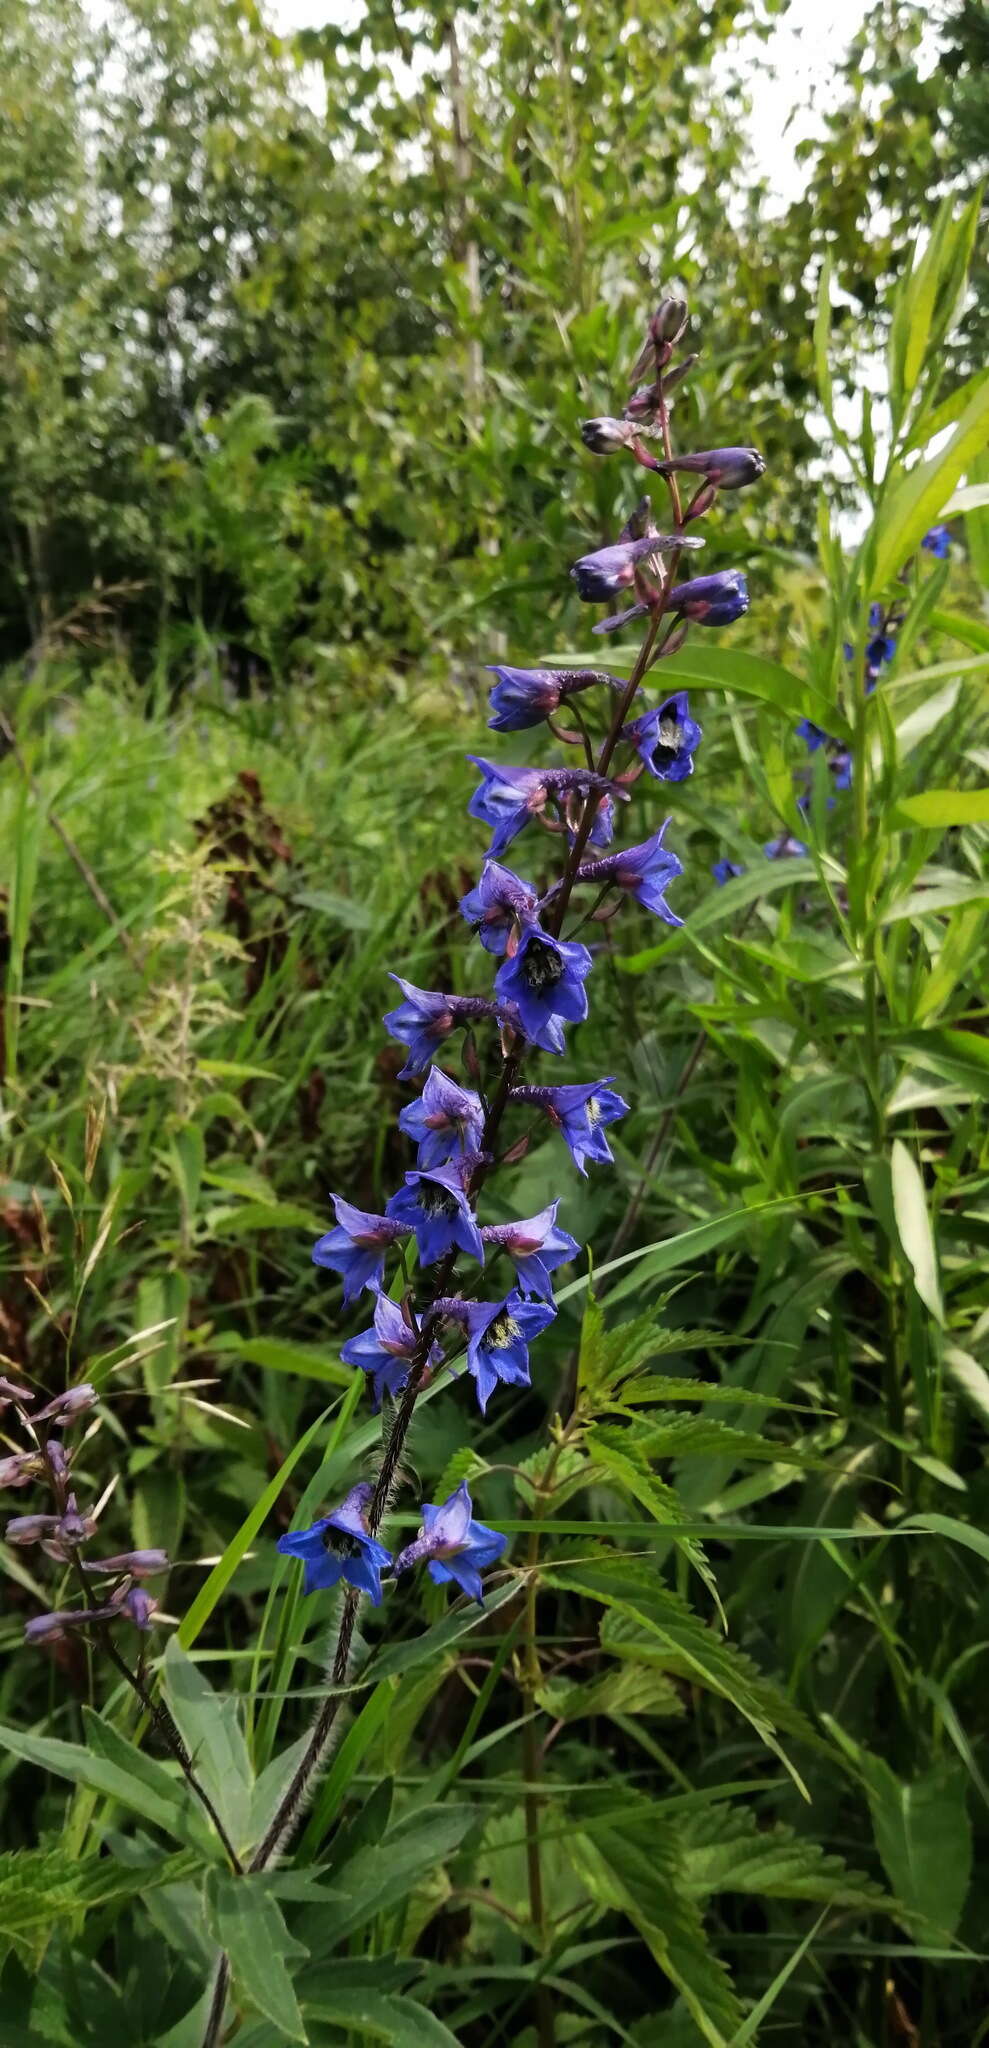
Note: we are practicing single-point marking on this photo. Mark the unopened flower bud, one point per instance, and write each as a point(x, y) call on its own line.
point(67, 1406)
point(139, 1606)
point(140, 1564)
point(19, 1471)
point(669, 320)
point(27, 1529)
point(644, 403)
point(712, 600)
point(729, 469)
point(606, 436)
point(11, 1391)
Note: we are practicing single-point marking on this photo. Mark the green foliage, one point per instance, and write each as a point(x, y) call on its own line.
point(755, 1684)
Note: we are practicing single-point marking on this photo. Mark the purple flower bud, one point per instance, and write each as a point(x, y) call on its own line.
point(138, 1606)
point(67, 1406)
point(500, 901)
point(11, 1390)
point(728, 469)
point(524, 697)
point(455, 1546)
point(27, 1529)
point(50, 1628)
point(666, 739)
point(356, 1248)
point(712, 600)
point(434, 1204)
point(602, 575)
point(669, 320)
point(447, 1122)
point(139, 1564)
point(72, 1529)
point(606, 436)
point(19, 1471)
point(56, 1459)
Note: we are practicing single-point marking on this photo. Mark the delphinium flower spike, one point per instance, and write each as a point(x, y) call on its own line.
point(537, 985)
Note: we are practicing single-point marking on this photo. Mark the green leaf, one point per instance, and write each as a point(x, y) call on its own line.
point(939, 809)
point(277, 1354)
point(923, 1834)
point(913, 1224)
point(636, 1869)
point(655, 1260)
point(721, 906)
point(219, 1578)
point(919, 499)
point(375, 2015)
point(703, 666)
point(729, 1849)
point(120, 1772)
point(955, 1531)
point(247, 1923)
point(210, 1728)
point(972, 633)
point(40, 1887)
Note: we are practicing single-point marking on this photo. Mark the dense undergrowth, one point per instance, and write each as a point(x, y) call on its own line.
point(763, 1607)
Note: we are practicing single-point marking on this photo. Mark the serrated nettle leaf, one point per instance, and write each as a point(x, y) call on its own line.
point(247, 1922)
point(728, 1849)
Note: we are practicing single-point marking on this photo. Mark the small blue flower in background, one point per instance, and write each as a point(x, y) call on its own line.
point(666, 739)
point(385, 1350)
point(426, 1017)
point(814, 736)
point(434, 1205)
point(579, 1110)
point(646, 871)
point(712, 600)
point(356, 1248)
point(937, 541)
point(455, 1546)
point(447, 1121)
point(724, 870)
point(338, 1547)
point(498, 1336)
point(535, 1247)
point(499, 901)
point(545, 978)
point(840, 765)
point(785, 848)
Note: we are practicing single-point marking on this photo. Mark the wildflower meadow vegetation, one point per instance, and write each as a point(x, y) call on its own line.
point(494, 1341)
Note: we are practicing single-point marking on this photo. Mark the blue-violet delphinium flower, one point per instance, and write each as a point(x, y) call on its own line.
point(499, 901)
point(536, 1247)
point(384, 1352)
point(338, 1546)
point(426, 1018)
point(579, 1110)
point(545, 978)
point(356, 1248)
point(784, 848)
point(498, 1337)
point(937, 541)
point(724, 871)
point(645, 871)
point(447, 1121)
point(607, 571)
point(523, 697)
point(666, 739)
point(454, 1545)
point(434, 1204)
